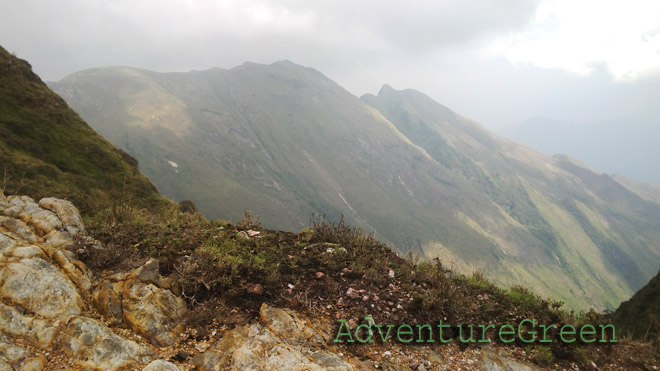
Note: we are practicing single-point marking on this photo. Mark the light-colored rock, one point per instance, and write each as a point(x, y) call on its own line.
point(6, 243)
point(37, 286)
point(493, 360)
point(107, 300)
point(17, 229)
point(35, 330)
point(11, 353)
point(136, 300)
point(66, 212)
point(283, 322)
point(90, 344)
point(160, 365)
point(285, 341)
point(41, 221)
point(34, 364)
point(153, 312)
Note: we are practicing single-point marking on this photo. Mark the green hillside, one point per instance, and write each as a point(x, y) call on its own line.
point(640, 316)
point(46, 149)
point(286, 142)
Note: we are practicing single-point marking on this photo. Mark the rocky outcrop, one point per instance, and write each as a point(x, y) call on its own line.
point(141, 299)
point(44, 290)
point(282, 341)
point(55, 315)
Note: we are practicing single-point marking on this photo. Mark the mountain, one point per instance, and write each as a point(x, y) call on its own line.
point(47, 149)
point(625, 146)
point(163, 288)
point(639, 316)
point(286, 142)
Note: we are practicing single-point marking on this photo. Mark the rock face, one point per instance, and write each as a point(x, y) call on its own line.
point(55, 315)
point(142, 300)
point(44, 294)
point(283, 341)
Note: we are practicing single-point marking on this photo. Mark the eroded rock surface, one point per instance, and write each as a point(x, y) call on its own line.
point(44, 291)
point(282, 341)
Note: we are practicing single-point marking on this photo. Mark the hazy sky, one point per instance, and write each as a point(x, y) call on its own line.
point(499, 62)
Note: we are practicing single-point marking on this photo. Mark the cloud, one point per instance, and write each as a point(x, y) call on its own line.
point(579, 35)
point(499, 62)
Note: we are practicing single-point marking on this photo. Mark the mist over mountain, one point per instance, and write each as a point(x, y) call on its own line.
point(626, 146)
point(286, 142)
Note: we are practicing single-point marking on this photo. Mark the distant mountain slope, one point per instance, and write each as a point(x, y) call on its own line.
point(46, 149)
point(285, 141)
point(621, 146)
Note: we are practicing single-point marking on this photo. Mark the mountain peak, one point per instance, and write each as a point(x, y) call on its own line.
point(386, 89)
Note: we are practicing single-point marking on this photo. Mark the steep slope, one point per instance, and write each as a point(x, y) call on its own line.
point(285, 142)
point(640, 316)
point(588, 225)
point(47, 149)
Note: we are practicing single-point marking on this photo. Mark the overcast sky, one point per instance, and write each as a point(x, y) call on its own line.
point(499, 62)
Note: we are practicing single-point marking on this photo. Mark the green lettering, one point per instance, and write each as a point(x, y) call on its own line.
point(342, 323)
point(583, 332)
point(441, 326)
point(545, 328)
point(484, 329)
point(511, 331)
point(533, 333)
point(387, 334)
point(603, 338)
point(563, 331)
point(419, 334)
point(399, 332)
point(460, 334)
point(366, 326)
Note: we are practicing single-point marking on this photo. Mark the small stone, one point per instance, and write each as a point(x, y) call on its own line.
point(319, 274)
point(352, 293)
point(365, 298)
point(391, 273)
point(255, 288)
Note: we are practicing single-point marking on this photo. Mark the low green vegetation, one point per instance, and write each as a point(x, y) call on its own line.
point(639, 317)
point(217, 266)
point(46, 149)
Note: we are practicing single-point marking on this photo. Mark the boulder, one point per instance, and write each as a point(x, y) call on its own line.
point(138, 300)
point(160, 365)
point(283, 341)
point(90, 344)
point(37, 286)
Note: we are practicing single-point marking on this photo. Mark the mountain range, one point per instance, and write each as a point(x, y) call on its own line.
point(286, 142)
point(624, 146)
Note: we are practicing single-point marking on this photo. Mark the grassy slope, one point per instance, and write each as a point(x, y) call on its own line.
point(286, 142)
point(589, 226)
point(639, 316)
point(46, 149)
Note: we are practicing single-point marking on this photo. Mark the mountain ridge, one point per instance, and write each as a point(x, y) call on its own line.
point(287, 142)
